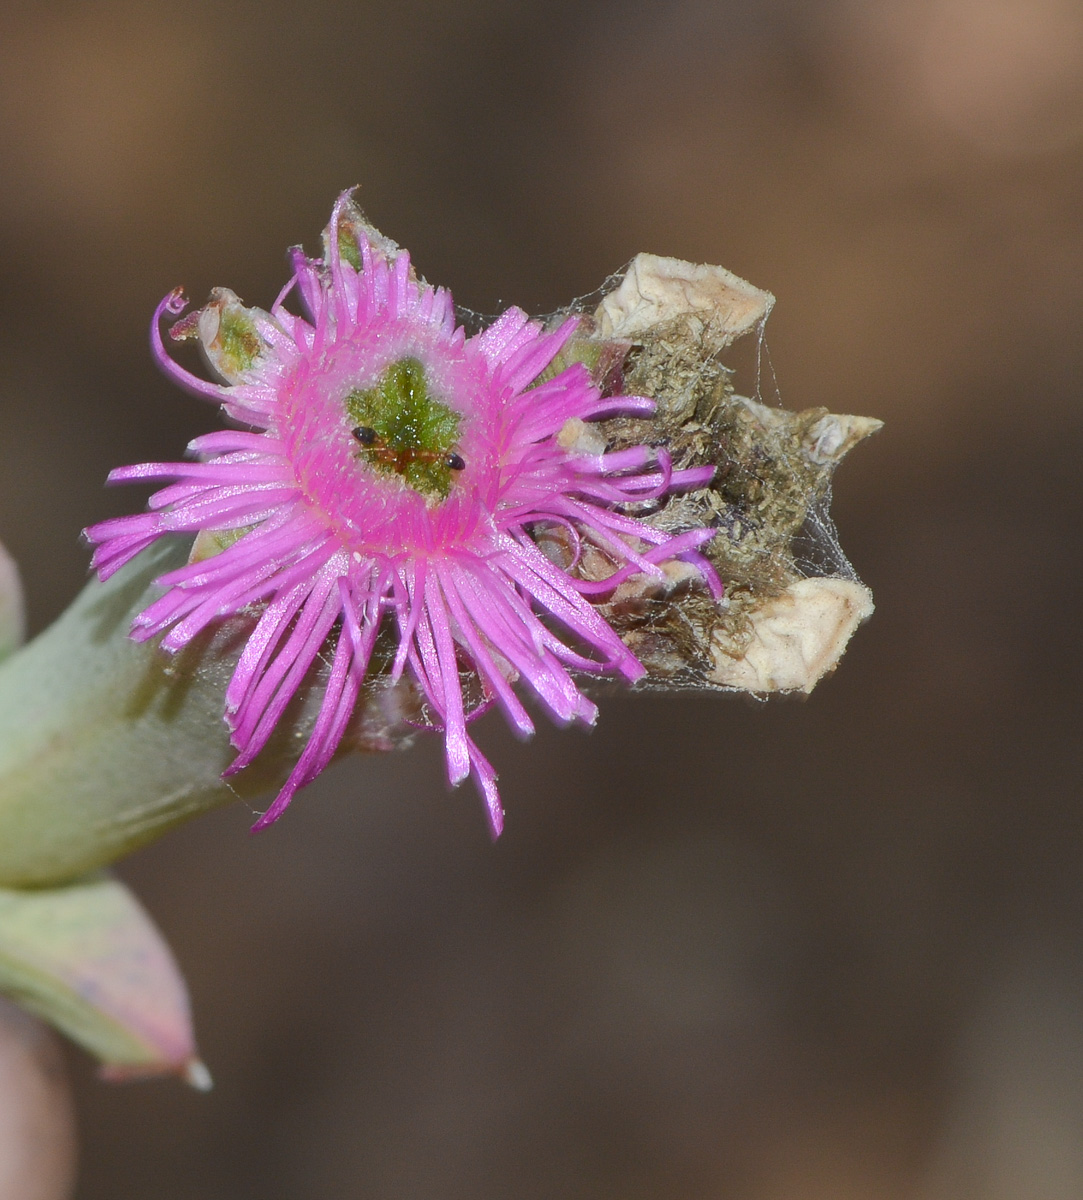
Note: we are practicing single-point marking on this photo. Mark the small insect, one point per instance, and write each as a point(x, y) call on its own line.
point(400, 459)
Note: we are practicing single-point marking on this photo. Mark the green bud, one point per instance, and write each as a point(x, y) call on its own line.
point(230, 335)
point(352, 227)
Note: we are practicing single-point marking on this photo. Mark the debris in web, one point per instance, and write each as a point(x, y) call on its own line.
point(792, 599)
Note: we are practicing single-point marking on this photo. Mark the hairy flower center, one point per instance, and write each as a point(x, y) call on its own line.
point(402, 429)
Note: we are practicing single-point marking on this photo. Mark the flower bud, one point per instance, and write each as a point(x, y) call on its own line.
point(231, 336)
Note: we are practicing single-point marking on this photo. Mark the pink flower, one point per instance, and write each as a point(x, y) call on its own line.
point(391, 469)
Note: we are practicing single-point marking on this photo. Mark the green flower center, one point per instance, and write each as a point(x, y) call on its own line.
point(402, 429)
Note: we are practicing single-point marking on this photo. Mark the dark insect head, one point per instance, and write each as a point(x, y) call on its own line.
point(399, 458)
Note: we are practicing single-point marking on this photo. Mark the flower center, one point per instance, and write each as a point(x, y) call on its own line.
point(401, 428)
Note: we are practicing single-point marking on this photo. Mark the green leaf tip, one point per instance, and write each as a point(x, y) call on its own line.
point(87, 958)
point(12, 614)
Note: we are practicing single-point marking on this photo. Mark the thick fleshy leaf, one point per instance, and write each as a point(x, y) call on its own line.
point(87, 958)
point(12, 618)
point(106, 743)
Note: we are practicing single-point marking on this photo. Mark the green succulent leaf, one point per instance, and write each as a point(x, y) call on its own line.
point(106, 743)
point(88, 959)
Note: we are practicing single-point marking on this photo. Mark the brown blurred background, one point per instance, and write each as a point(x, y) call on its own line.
point(829, 950)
